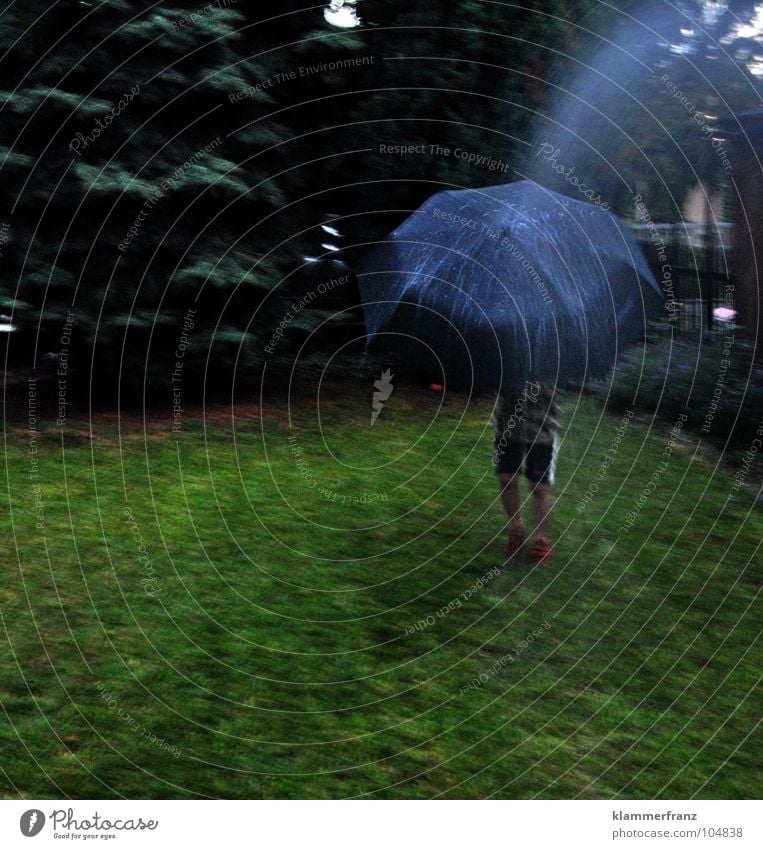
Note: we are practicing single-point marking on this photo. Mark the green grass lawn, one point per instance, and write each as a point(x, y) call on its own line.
point(266, 644)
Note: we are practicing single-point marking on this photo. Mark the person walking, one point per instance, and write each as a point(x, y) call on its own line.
point(527, 433)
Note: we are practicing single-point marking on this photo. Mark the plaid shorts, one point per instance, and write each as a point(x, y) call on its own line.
point(527, 431)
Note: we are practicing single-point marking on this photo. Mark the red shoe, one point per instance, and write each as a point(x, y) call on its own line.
point(541, 553)
point(515, 544)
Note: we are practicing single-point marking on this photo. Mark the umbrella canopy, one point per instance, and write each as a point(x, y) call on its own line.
point(490, 288)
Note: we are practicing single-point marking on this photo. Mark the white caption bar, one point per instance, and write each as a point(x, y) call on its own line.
point(382, 824)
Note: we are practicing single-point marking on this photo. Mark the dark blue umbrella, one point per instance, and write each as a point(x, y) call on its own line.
point(490, 288)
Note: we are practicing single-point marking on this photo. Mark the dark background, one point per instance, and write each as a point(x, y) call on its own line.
point(229, 237)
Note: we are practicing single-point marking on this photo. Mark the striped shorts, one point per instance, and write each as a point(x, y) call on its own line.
point(527, 432)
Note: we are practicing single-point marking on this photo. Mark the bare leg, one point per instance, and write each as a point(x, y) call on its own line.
point(543, 509)
point(509, 487)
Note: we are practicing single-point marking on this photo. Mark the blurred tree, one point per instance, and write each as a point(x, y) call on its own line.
point(639, 115)
point(183, 155)
point(124, 188)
